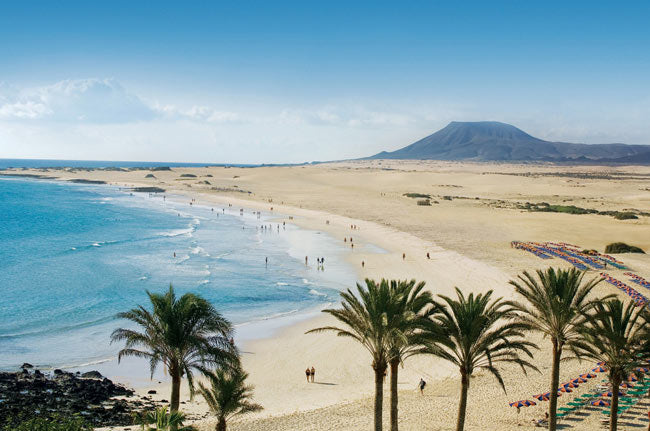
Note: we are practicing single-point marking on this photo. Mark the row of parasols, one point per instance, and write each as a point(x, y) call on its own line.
point(568, 252)
point(638, 298)
point(638, 279)
point(569, 386)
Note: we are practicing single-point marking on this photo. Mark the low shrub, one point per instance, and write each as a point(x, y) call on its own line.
point(417, 195)
point(621, 247)
point(625, 216)
point(52, 423)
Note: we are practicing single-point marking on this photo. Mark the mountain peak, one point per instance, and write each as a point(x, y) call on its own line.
point(496, 141)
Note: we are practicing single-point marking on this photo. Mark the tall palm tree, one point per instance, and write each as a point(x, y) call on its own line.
point(183, 334)
point(475, 333)
point(228, 395)
point(557, 302)
point(414, 307)
point(366, 318)
point(618, 335)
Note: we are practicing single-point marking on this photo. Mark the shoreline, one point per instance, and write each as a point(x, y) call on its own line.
point(276, 363)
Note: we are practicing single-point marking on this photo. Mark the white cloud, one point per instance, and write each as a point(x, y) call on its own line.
point(83, 100)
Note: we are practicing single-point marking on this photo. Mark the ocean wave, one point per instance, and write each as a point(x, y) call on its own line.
point(280, 283)
point(177, 232)
point(202, 282)
point(305, 281)
point(316, 292)
point(144, 277)
point(270, 316)
point(182, 259)
point(58, 330)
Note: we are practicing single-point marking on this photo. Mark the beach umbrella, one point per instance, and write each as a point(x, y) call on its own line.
point(587, 376)
point(632, 378)
point(565, 389)
point(600, 403)
point(542, 397)
point(609, 394)
point(626, 385)
point(599, 370)
point(523, 403)
point(642, 370)
point(570, 385)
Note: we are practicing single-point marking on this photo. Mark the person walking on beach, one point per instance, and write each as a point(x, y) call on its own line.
point(403, 256)
point(313, 373)
point(421, 385)
point(428, 257)
point(306, 260)
point(308, 374)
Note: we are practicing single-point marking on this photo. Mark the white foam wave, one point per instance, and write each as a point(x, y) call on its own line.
point(96, 244)
point(305, 281)
point(316, 292)
point(280, 283)
point(178, 232)
point(204, 282)
point(182, 259)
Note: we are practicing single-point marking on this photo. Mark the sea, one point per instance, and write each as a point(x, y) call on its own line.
point(72, 256)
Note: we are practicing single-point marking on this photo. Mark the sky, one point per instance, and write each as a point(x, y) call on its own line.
point(284, 81)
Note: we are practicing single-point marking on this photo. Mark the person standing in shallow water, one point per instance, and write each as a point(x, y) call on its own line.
point(313, 373)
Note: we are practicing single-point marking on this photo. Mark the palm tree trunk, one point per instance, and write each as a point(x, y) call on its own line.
point(176, 390)
point(613, 415)
point(462, 406)
point(555, 381)
point(221, 424)
point(394, 367)
point(379, 396)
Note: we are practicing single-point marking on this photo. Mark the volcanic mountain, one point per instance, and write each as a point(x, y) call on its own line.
point(494, 141)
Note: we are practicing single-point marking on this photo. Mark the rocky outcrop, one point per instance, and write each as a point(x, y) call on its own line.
point(29, 394)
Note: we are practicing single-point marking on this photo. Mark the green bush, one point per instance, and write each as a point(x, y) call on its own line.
point(625, 216)
point(53, 423)
point(621, 247)
point(417, 195)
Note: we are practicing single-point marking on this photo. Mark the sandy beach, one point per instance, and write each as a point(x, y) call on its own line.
point(475, 213)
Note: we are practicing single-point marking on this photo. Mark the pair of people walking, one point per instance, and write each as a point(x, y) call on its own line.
point(310, 374)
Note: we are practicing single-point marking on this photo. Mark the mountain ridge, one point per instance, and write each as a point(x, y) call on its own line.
point(496, 141)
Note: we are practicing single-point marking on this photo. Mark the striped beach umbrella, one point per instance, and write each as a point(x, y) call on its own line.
point(565, 389)
point(523, 403)
point(600, 403)
point(599, 370)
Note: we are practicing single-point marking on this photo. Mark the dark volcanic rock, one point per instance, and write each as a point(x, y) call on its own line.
point(92, 375)
point(26, 365)
point(26, 394)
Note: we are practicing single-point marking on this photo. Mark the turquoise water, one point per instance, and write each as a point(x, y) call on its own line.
point(72, 256)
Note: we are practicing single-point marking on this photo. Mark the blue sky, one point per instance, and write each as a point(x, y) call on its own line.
point(298, 81)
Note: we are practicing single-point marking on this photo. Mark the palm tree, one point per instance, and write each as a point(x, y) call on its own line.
point(162, 420)
point(414, 307)
point(556, 305)
point(367, 321)
point(618, 335)
point(228, 395)
point(183, 334)
point(473, 333)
